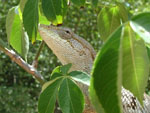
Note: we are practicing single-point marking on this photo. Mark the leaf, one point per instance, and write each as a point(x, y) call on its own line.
point(22, 4)
point(108, 21)
point(65, 68)
point(48, 97)
point(122, 56)
point(95, 2)
point(106, 79)
point(31, 18)
point(140, 24)
point(54, 10)
point(60, 71)
point(122, 12)
point(135, 66)
point(148, 52)
point(94, 99)
point(80, 77)
point(56, 75)
point(70, 97)
point(43, 20)
point(17, 37)
point(78, 2)
point(145, 35)
point(143, 20)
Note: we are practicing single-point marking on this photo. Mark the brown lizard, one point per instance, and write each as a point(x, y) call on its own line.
point(70, 48)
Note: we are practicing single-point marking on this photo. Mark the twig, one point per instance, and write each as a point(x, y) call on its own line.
point(27, 67)
point(35, 62)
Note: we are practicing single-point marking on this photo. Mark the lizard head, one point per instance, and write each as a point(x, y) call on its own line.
point(56, 32)
point(68, 47)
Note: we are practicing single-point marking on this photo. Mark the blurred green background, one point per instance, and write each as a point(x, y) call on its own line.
point(18, 90)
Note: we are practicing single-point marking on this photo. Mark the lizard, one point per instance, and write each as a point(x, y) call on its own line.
point(71, 48)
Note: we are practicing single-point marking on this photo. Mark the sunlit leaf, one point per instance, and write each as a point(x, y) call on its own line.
point(70, 97)
point(108, 21)
point(143, 20)
point(17, 37)
point(135, 67)
point(123, 56)
point(105, 89)
point(43, 20)
point(140, 24)
point(80, 77)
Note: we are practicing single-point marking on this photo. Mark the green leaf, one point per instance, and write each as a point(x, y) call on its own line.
point(135, 68)
point(108, 21)
point(143, 20)
point(22, 4)
point(106, 76)
point(54, 10)
point(78, 2)
point(80, 77)
point(43, 20)
point(70, 97)
point(31, 18)
point(65, 68)
point(97, 105)
point(16, 35)
point(148, 52)
point(95, 2)
point(140, 24)
point(60, 71)
point(56, 75)
point(123, 12)
point(122, 56)
point(48, 97)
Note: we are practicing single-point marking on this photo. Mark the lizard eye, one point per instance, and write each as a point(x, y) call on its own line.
point(67, 32)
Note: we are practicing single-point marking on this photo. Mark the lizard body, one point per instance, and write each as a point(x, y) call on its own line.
point(70, 48)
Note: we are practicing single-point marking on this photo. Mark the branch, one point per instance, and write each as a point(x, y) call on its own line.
point(27, 67)
point(35, 61)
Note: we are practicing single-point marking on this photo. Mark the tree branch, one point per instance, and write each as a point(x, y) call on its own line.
point(35, 61)
point(27, 67)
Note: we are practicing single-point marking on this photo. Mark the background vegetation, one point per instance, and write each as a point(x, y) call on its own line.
point(18, 90)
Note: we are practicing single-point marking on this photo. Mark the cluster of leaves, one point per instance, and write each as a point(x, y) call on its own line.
point(26, 17)
point(9, 74)
point(62, 86)
point(124, 54)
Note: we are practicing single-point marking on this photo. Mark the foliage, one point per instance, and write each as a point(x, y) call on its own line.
point(70, 97)
point(16, 100)
point(9, 74)
point(56, 14)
